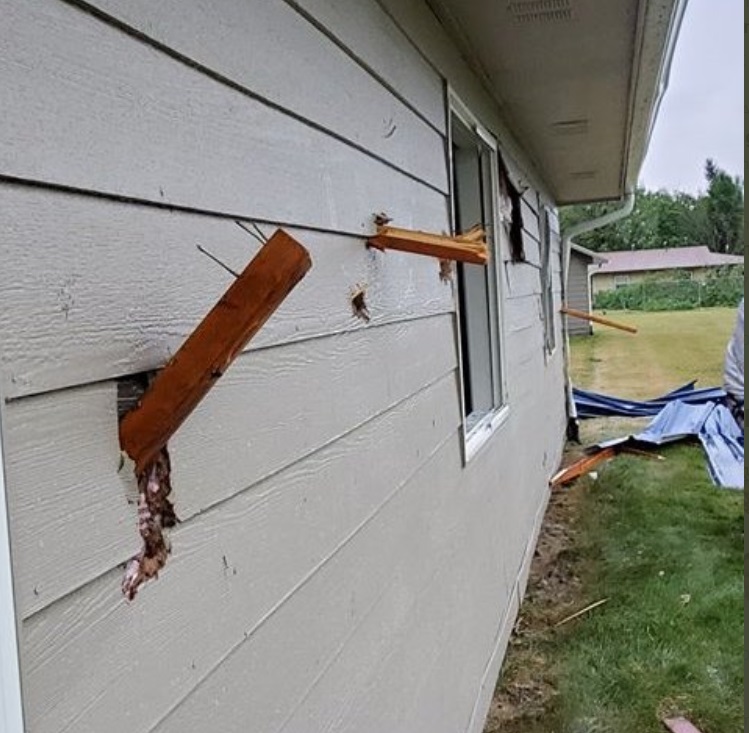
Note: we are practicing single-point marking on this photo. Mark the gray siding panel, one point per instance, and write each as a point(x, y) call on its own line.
point(113, 115)
point(376, 41)
point(102, 289)
point(265, 413)
point(339, 566)
point(253, 45)
point(258, 591)
point(578, 295)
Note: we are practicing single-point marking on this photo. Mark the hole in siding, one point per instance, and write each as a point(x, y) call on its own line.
point(130, 389)
point(511, 212)
point(359, 303)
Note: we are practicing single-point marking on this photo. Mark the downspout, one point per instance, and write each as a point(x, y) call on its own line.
point(567, 241)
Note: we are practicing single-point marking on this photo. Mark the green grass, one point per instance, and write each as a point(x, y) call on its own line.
point(669, 349)
point(666, 548)
point(655, 538)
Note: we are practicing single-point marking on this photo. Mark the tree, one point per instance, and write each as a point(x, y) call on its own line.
point(665, 219)
point(724, 209)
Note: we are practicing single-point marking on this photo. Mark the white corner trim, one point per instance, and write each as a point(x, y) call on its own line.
point(11, 708)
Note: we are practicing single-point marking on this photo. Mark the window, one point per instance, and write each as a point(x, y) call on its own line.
point(474, 195)
point(621, 281)
point(546, 274)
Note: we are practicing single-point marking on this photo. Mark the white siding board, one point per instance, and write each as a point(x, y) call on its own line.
point(254, 44)
point(522, 313)
point(376, 41)
point(268, 411)
point(280, 567)
point(96, 289)
point(521, 279)
point(89, 107)
point(532, 249)
point(68, 503)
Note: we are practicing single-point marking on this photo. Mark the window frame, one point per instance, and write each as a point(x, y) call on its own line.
point(621, 281)
point(475, 437)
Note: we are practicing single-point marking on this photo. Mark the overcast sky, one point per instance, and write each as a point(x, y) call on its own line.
point(702, 113)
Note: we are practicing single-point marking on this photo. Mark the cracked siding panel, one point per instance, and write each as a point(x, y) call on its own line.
point(96, 94)
point(254, 44)
point(520, 280)
point(274, 574)
point(64, 451)
point(97, 289)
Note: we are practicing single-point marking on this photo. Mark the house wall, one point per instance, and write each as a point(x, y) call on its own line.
point(607, 281)
point(337, 566)
point(578, 294)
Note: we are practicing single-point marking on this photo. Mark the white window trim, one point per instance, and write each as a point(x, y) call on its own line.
point(489, 424)
point(11, 705)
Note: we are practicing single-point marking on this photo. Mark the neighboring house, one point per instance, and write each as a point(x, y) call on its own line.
point(578, 288)
point(632, 266)
point(359, 499)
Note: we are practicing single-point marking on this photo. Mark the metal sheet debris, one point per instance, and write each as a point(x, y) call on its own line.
point(595, 404)
point(709, 421)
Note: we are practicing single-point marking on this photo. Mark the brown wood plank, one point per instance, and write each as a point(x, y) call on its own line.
point(212, 346)
point(680, 725)
point(596, 319)
point(470, 247)
point(578, 468)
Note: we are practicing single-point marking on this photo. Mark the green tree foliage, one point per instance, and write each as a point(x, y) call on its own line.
point(724, 210)
point(665, 219)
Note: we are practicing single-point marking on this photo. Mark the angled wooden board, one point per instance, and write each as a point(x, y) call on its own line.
point(99, 110)
point(263, 413)
point(96, 289)
point(253, 45)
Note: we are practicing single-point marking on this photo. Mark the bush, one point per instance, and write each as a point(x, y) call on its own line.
point(724, 286)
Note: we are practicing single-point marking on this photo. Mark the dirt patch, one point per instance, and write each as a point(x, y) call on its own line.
point(526, 688)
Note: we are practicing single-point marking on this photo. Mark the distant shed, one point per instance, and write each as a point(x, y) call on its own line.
point(578, 287)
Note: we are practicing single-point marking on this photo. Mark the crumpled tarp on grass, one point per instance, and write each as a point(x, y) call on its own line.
point(595, 404)
point(708, 420)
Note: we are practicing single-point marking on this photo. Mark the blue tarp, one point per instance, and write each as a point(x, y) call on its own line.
point(594, 404)
point(709, 421)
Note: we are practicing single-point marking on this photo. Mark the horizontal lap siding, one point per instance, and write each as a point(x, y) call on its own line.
point(72, 519)
point(262, 585)
point(242, 42)
point(371, 36)
point(337, 567)
point(113, 115)
point(96, 289)
point(578, 295)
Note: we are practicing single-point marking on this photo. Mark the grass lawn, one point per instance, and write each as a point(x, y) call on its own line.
point(668, 350)
point(656, 539)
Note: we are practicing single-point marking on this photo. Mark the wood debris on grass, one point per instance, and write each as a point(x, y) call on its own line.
point(580, 467)
point(582, 611)
point(680, 725)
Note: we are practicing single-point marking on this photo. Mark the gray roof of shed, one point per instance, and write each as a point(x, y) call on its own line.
point(671, 258)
